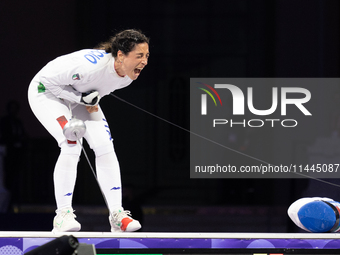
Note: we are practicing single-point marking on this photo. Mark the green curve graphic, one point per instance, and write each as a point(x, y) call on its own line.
point(209, 95)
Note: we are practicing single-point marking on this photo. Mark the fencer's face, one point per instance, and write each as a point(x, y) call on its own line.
point(134, 62)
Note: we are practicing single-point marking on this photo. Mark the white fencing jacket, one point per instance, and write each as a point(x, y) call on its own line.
point(82, 71)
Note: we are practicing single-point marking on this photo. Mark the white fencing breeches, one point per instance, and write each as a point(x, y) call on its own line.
point(54, 113)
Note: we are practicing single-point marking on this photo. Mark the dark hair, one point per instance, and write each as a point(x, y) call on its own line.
point(124, 41)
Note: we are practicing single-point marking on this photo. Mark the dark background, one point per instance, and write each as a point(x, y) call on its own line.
point(230, 38)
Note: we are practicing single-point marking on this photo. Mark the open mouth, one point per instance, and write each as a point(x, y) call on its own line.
point(137, 70)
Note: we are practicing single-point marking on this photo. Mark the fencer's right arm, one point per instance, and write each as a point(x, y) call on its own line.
point(67, 92)
point(54, 75)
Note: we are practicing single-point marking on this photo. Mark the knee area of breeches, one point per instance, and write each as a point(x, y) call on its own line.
point(70, 148)
point(102, 150)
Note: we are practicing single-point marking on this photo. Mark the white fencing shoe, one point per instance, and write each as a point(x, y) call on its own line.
point(65, 221)
point(121, 221)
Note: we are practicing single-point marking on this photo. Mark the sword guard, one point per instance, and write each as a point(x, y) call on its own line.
point(74, 129)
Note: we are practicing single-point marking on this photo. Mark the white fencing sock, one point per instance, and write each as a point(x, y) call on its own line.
point(108, 174)
point(65, 174)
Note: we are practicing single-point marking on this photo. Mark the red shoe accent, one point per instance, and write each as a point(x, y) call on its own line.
point(125, 223)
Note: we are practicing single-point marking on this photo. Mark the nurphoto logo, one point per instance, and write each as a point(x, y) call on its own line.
point(238, 104)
